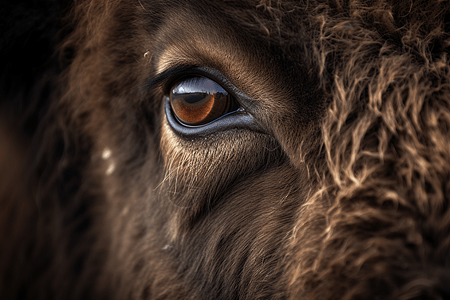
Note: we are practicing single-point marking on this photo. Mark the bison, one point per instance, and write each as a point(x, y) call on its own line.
point(225, 149)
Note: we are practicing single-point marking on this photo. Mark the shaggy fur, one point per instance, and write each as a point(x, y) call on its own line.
point(342, 192)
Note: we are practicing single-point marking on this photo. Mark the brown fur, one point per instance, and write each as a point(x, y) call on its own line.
point(343, 193)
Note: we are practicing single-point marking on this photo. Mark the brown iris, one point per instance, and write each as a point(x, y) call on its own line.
point(199, 100)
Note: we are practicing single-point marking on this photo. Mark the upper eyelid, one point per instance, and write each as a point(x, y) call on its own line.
point(168, 77)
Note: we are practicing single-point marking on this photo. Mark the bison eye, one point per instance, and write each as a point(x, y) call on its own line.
point(199, 100)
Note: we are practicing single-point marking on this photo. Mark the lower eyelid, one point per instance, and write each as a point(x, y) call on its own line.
point(236, 120)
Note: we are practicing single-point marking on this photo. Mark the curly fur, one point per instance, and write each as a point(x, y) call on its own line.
point(344, 194)
point(386, 143)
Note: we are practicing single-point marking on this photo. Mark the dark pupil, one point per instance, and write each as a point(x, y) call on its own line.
point(192, 98)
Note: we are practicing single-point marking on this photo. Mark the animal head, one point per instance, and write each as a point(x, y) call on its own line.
point(233, 150)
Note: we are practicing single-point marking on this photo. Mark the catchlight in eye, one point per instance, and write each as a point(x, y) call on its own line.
point(199, 100)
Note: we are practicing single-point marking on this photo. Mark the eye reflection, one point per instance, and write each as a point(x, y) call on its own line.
point(199, 100)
